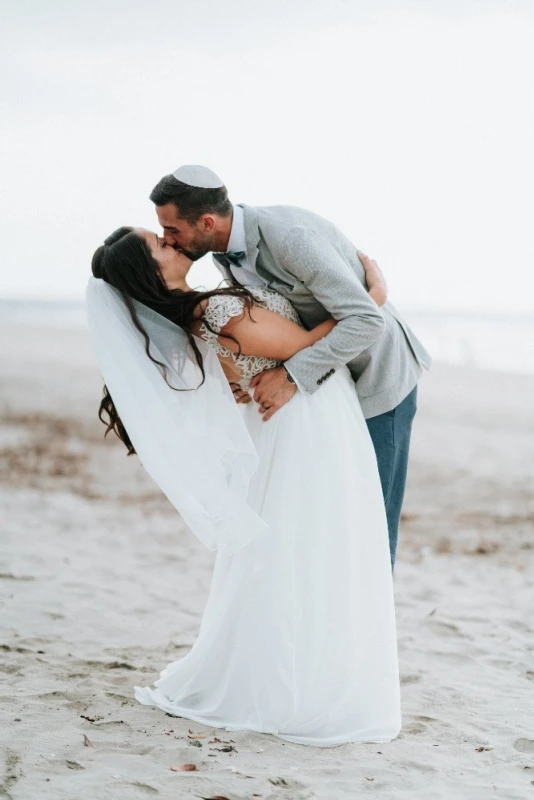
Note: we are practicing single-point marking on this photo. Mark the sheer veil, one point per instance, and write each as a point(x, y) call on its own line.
point(194, 444)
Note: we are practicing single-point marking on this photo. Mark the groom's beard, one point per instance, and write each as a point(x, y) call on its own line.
point(193, 255)
point(199, 246)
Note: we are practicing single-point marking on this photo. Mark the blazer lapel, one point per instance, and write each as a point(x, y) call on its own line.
point(252, 240)
point(252, 233)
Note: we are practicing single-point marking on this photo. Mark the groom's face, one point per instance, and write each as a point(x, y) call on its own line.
point(193, 240)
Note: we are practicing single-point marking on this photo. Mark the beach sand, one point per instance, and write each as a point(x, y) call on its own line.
point(102, 585)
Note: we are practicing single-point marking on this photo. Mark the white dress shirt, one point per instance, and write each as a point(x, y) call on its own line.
point(245, 275)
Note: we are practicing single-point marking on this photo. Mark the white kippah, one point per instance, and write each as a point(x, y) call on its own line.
point(195, 175)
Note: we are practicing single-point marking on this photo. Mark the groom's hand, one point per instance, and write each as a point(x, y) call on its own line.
point(240, 395)
point(272, 391)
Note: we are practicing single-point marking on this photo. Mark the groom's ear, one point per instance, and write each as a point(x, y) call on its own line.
point(207, 223)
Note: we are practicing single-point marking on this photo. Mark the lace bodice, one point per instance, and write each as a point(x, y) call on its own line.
point(220, 309)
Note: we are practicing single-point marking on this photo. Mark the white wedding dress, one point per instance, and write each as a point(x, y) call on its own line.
point(298, 636)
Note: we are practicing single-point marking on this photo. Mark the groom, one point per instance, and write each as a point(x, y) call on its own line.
point(308, 260)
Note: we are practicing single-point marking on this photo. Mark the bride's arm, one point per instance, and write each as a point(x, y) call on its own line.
point(273, 336)
point(265, 333)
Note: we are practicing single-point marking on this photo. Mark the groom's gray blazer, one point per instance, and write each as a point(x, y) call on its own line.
point(308, 260)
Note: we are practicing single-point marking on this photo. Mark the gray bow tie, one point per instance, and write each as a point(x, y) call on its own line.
point(229, 258)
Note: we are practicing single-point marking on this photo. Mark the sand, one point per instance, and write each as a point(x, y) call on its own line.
point(101, 586)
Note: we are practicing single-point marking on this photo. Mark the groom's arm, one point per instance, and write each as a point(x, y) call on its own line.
point(316, 263)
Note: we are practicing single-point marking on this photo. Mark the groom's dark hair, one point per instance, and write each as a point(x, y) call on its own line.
point(191, 201)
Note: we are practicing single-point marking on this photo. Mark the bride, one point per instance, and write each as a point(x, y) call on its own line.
point(298, 636)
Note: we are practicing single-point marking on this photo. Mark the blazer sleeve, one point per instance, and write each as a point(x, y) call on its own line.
point(325, 271)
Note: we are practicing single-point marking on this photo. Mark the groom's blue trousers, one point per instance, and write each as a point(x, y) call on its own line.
point(391, 433)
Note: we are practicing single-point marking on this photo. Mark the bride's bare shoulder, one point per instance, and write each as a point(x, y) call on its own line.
point(200, 308)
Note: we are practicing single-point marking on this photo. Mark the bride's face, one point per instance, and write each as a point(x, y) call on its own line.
point(173, 264)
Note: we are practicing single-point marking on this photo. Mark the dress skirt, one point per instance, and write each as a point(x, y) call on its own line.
point(298, 635)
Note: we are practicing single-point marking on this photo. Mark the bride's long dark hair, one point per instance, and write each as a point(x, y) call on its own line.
point(125, 262)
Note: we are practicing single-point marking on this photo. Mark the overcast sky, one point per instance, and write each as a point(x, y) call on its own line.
point(409, 124)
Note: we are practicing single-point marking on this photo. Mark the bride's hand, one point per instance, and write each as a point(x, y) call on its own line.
point(376, 282)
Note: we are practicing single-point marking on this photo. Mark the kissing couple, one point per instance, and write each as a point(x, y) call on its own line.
point(275, 413)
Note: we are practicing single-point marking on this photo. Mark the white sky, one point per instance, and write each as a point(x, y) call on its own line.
point(409, 124)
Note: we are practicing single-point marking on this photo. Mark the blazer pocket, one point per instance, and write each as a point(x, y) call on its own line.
point(297, 287)
point(281, 286)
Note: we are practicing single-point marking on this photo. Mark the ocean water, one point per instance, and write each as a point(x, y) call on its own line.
point(502, 342)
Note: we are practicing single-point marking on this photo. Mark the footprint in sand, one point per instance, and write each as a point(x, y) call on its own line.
point(10, 669)
point(127, 750)
point(111, 724)
point(446, 629)
point(517, 625)
point(413, 728)
point(294, 790)
point(418, 725)
point(145, 787)
point(524, 745)
point(409, 679)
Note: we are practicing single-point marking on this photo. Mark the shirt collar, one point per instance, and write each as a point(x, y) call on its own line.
point(236, 242)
